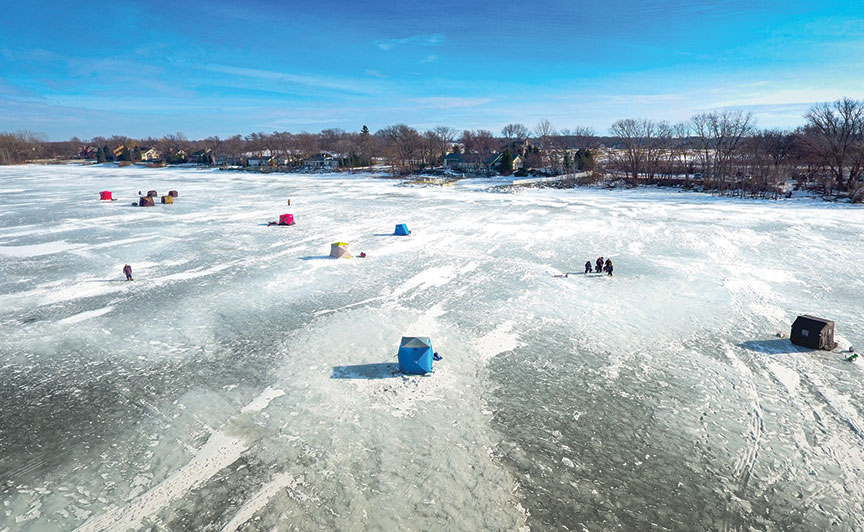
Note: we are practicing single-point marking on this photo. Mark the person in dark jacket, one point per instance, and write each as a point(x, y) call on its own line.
point(128, 271)
point(608, 267)
point(588, 267)
point(599, 265)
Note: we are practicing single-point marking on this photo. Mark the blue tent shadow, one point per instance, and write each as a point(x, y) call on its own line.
point(316, 257)
point(773, 346)
point(377, 370)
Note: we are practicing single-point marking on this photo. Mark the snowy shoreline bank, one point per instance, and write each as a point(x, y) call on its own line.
point(498, 182)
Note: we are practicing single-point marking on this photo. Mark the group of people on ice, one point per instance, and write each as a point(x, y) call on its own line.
point(600, 266)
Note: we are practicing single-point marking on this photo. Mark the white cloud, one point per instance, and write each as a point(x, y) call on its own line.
point(324, 82)
point(422, 40)
point(448, 102)
point(783, 96)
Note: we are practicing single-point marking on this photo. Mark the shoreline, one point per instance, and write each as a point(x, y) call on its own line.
point(437, 178)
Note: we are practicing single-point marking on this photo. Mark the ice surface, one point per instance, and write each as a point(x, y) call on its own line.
point(245, 381)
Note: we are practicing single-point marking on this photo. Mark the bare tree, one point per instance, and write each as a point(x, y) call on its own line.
point(755, 166)
point(330, 140)
point(680, 148)
point(700, 125)
point(543, 131)
point(635, 134)
point(21, 146)
point(174, 147)
point(719, 134)
point(403, 144)
point(472, 148)
point(306, 144)
point(485, 141)
point(515, 132)
point(282, 144)
point(835, 132)
point(584, 137)
point(445, 137)
point(656, 143)
point(431, 148)
point(779, 147)
point(485, 144)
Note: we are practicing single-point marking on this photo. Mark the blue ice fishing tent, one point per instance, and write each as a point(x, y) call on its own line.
point(402, 230)
point(415, 355)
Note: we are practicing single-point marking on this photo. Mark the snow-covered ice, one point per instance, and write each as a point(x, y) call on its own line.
point(245, 381)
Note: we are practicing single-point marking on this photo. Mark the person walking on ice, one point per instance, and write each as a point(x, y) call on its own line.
point(588, 267)
point(599, 265)
point(128, 271)
point(608, 267)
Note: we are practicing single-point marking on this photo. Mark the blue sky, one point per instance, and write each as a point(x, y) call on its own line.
point(222, 68)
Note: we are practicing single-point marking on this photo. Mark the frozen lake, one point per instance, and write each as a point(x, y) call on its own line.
point(244, 381)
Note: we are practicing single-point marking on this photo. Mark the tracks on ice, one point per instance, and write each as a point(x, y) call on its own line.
point(743, 465)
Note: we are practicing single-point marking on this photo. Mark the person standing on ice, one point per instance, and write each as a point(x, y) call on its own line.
point(599, 265)
point(588, 267)
point(128, 271)
point(608, 267)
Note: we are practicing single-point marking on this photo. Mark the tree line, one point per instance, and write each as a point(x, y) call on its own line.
point(721, 150)
point(725, 151)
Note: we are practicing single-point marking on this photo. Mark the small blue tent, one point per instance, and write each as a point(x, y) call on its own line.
point(402, 230)
point(415, 355)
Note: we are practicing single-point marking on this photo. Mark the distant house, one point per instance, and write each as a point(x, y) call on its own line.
point(258, 154)
point(453, 160)
point(493, 160)
point(321, 161)
point(472, 162)
point(201, 156)
point(88, 152)
point(227, 160)
point(149, 154)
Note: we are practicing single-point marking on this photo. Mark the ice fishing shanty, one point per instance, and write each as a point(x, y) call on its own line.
point(402, 230)
point(813, 332)
point(339, 250)
point(415, 355)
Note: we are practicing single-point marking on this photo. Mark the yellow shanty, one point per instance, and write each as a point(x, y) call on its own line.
point(339, 250)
